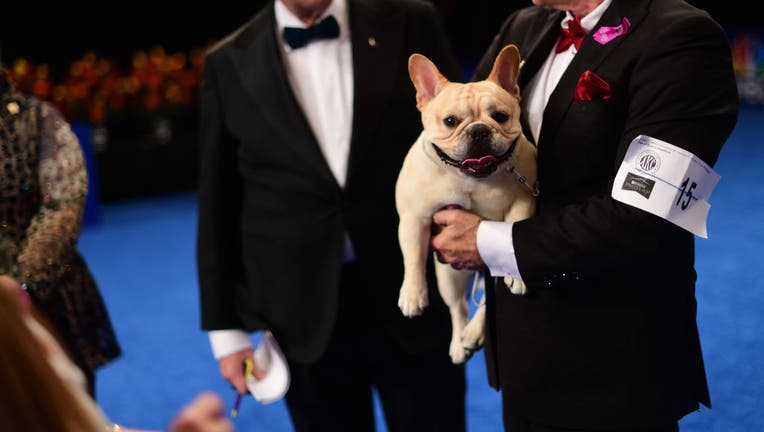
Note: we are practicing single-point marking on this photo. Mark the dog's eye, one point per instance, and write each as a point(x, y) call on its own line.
point(500, 117)
point(451, 121)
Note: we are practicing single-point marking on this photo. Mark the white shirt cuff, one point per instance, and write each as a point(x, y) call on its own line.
point(494, 242)
point(226, 342)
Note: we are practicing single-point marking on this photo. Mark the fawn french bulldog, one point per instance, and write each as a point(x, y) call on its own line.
point(471, 153)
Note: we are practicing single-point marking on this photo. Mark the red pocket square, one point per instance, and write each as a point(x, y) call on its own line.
point(590, 87)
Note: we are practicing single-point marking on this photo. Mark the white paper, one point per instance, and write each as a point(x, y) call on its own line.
point(274, 385)
point(667, 181)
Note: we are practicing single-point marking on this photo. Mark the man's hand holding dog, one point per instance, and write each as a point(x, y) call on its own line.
point(454, 238)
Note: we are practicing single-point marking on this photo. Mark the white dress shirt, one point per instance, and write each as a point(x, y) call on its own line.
point(321, 77)
point(493, 237)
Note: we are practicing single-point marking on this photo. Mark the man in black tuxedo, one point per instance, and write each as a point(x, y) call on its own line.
point(302, 138)
point(606, 339)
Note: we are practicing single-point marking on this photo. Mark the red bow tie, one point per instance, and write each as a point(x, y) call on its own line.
point(574, 34)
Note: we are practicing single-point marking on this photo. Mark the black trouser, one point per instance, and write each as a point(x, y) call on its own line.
point(419, 393)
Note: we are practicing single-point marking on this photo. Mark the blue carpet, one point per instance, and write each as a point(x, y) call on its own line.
point(142, 254)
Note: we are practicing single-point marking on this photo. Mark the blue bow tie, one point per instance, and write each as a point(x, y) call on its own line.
point(299, 37)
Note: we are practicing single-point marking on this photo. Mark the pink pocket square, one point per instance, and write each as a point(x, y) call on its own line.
point(590, 87)
point(604, 34)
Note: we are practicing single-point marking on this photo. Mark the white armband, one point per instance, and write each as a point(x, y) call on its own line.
point(667, 181)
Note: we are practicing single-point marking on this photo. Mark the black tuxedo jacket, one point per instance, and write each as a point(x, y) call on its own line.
point(608, 337)
point(271, 214)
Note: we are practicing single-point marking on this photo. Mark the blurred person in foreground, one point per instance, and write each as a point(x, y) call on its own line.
point(606, 337)
point(44, 391)
point(43, 188)
point(302, 137)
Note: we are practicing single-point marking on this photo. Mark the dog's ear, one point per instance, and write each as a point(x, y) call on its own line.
point(427, 79)
point(505, 70)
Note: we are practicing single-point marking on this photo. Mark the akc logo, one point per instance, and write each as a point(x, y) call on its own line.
point(648, 161)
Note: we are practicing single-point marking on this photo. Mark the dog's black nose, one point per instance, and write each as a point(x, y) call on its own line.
point(480, 140)
point(479, 133)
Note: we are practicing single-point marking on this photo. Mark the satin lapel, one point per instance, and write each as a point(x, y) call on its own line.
point(539, 49)
point(537, 53)
point(589, 57)
point(377, 53)
point(262, 70)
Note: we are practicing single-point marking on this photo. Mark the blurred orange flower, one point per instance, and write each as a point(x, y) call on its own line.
point(94, 89)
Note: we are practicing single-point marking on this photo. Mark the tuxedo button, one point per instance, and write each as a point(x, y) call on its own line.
point(551, 279)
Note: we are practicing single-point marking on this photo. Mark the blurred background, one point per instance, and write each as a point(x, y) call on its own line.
point(126, 76)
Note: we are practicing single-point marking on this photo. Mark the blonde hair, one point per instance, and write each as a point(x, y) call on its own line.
point(34, 398)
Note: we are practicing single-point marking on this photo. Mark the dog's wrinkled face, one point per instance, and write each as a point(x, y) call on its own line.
point(471, 127)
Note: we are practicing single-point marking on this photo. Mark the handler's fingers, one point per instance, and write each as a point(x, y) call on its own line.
point(232, 368)
point(435, 229)
point(439, 256)
point(447, 214)
point(443, 217)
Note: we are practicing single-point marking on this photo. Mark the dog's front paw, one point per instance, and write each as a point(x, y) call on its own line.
point(516, 286)
point(412, 301)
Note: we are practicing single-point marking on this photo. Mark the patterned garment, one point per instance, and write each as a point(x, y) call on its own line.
point(43, 187)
